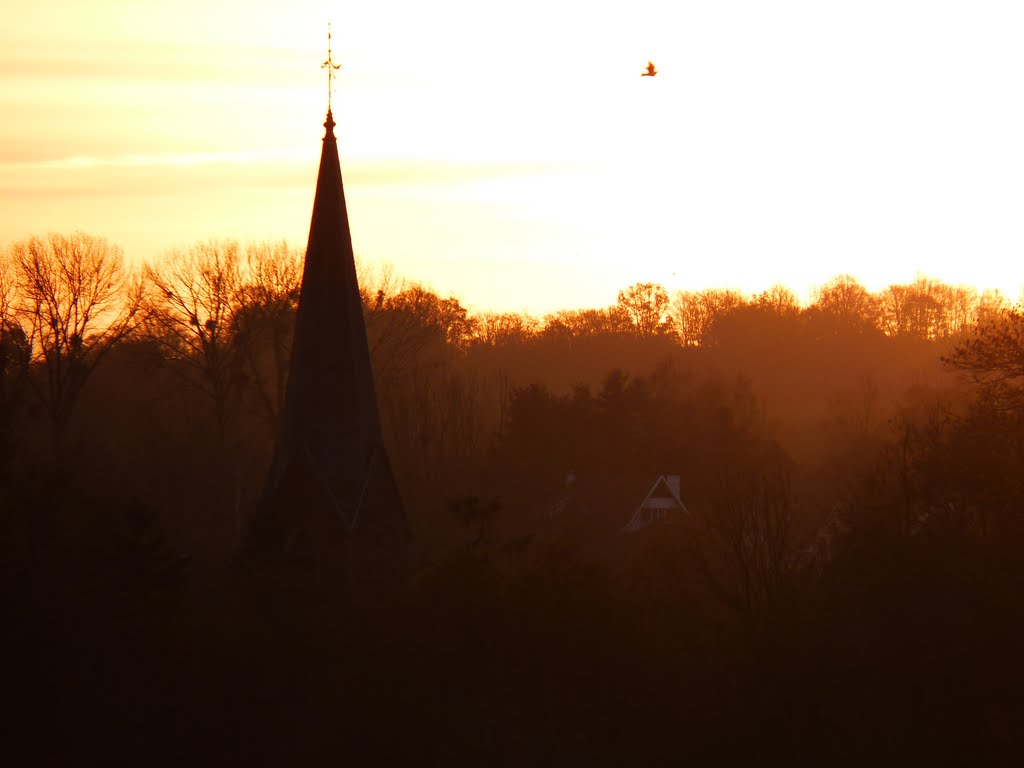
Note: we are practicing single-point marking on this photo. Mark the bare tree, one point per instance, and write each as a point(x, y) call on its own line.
point(14, 354)
point(76, 301)
point(994, 354)
point(695, 313)
point(445, 316)
point(990, 305)
point(191, 303)
point(917, 309)
point(847, 302)
point(960, 302)
point(928, 311)
point(8, 289)
point(778, 299)
point(498, 329)
point(376, 283)
point(404, 331)
point(413, 328)
point(265, 320)
point(13, 342)
point(646, 305)
point(753, 525)
point(570, 324)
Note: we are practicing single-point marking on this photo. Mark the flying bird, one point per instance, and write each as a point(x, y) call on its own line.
point(651, 71)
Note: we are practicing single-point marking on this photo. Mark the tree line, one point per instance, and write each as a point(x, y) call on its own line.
point(212, 323)
point(222, 314)
point(845, 587)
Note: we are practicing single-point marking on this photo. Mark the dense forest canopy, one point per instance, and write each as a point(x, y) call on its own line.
point(845, 582)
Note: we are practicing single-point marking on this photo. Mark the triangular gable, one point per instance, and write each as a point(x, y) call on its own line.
point(659, 502)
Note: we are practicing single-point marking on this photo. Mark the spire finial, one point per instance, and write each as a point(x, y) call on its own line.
point(331, 68)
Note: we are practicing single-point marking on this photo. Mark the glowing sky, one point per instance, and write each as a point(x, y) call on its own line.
point(510, 153)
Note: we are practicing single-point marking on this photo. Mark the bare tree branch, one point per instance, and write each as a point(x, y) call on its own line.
point(75, 302)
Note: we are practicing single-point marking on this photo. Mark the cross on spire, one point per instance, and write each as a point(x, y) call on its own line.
point(330, 66)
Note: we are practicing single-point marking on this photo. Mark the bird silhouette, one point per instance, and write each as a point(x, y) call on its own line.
point(651, 71)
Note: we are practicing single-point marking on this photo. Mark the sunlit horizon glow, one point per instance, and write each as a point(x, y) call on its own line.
point(514, 158)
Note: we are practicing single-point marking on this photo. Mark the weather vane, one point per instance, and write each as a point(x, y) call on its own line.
point(330, 66)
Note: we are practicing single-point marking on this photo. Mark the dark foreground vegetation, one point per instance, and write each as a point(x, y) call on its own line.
point(845, 588)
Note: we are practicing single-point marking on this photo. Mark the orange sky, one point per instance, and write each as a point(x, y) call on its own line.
point(510, 154)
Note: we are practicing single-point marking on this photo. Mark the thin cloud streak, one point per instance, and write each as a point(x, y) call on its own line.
point(74, 162)
point(363, 171)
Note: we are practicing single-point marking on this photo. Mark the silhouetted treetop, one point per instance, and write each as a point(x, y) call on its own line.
point(994, 352)
point(73, 302)
point(647, 307)
point(848, 304)
point(694, 313)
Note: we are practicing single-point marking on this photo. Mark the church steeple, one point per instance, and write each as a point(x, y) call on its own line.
point(331, 476)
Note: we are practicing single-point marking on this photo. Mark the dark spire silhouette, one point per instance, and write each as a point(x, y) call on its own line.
point(331, 487)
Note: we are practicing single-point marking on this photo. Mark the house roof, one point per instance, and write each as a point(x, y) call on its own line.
point(664, 495)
